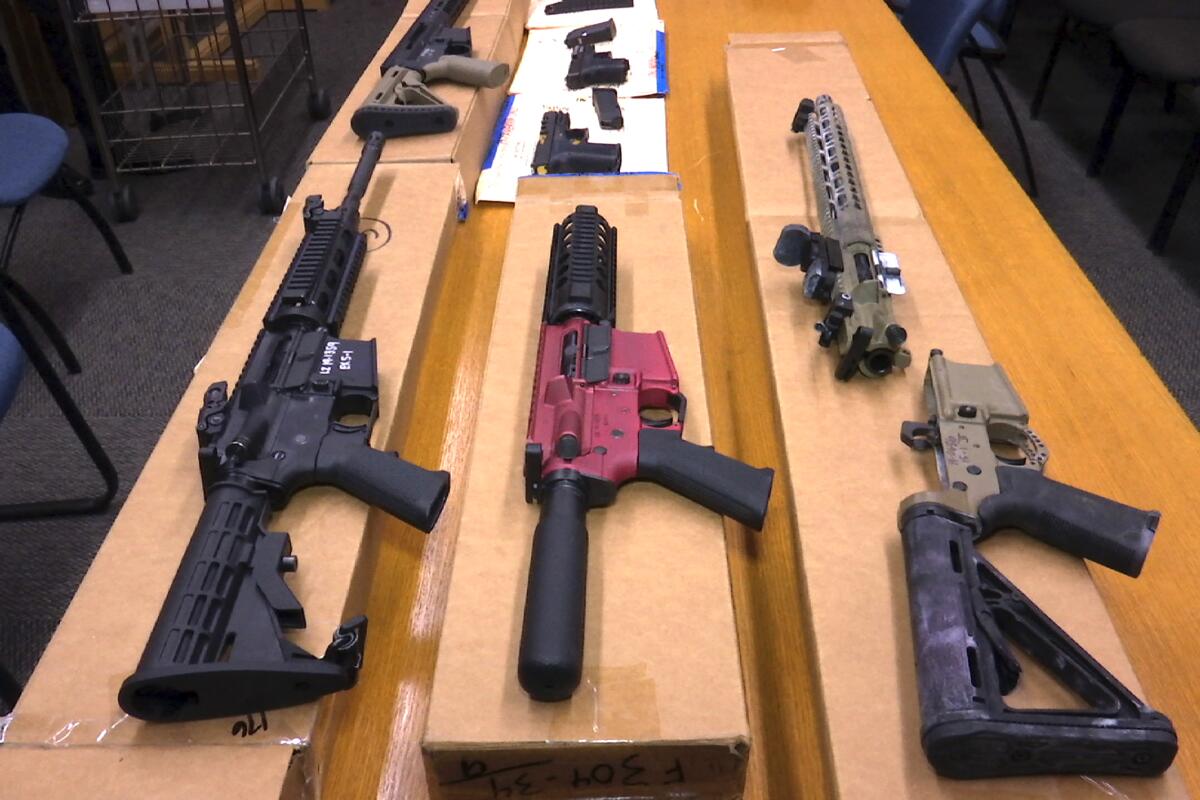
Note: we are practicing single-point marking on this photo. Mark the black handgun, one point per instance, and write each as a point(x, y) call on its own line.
point(963, 608)
point(562, 149)
point(575, 6)
point(218, 647)
point(432, 49)
point(590, 68)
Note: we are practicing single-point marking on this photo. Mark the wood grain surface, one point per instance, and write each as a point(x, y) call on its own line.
point(1110, 422)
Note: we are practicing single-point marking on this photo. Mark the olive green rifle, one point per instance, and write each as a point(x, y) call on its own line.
point(844, 265)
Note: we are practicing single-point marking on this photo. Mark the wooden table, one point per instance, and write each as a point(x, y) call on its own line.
point(1111, 424)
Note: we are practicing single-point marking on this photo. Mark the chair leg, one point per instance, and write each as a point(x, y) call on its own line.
point(10, 238)
point(87, 438)
point(1115, 109)
point(10, 690)
point(962, 65)
point(35, 310)
point(1179, 189)
point(1039, 94)
point(1016, 126)
point(110, 238)
point(52, 331)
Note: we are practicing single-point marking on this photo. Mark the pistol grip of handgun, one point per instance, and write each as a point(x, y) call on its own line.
point(467, 71)
point(550, 663)
point(702, 475)
point(1078, 522)
point(402, 489)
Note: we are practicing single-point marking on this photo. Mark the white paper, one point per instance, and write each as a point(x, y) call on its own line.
point(546, 59)
point(640, 11)
point(643, 140)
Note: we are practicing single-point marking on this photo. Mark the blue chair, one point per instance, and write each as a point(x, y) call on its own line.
point(952, 31)
point(32, 149)
point(1103, 15)
point(32, 153)
point(1166, 50)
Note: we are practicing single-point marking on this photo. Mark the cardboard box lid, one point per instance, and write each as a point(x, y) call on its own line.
point(661, 661)
point(851, 549)
point(467, 144)
point(118, 773)
point(71, 697)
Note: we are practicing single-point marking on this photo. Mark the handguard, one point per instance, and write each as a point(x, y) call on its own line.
point(218, 647)
point(591, 377)
point(964, 610)
point(844, 266)
point(562, 149)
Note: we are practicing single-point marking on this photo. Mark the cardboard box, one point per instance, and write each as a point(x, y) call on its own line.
point(467, 145)
point(661, 705)
point(851, 550)
point(67, 727)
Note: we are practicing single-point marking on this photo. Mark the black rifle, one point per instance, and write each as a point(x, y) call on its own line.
point(432, 49)
point(218, 647)
point(562, 149)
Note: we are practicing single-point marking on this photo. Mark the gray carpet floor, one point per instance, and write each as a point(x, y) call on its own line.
point(139, 336)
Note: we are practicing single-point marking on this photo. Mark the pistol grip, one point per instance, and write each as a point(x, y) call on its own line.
point(1078, 522)
point(702, 475)
point(467, 71)
point(402, 489)
point(550, 663)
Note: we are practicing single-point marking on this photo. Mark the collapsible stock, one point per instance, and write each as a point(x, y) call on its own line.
point(218, 647)
point(962, 609)
point(550, 663)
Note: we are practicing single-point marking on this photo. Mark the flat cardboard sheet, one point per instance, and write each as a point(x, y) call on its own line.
point(853, 562)
point(70, 701)
point(467, 144)
point(661, 705)
point(120, 773)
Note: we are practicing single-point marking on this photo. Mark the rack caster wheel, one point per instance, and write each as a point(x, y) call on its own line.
point(318, 104)
point(271, 197)
point(125, 204)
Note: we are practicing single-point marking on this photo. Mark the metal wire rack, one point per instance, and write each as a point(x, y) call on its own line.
point(189, 83)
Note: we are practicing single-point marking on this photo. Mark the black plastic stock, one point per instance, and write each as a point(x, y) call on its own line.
point(961, 610)
point(218, 647)
point(1077, 522)
point(550, 663)
point(702, 475)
